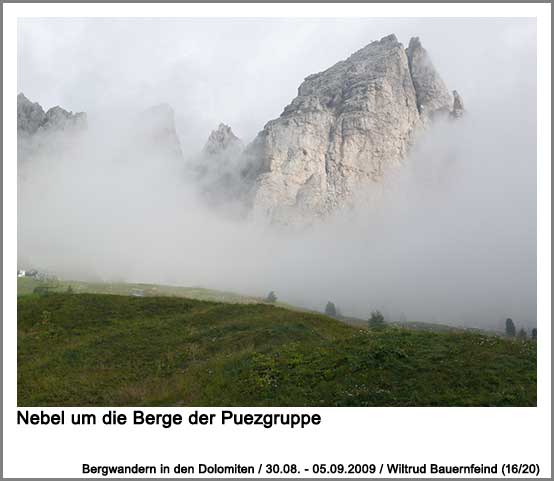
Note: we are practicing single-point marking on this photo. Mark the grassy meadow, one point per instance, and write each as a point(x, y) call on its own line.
point(100, 349)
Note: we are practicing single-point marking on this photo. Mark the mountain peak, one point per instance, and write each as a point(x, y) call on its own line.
point(432, 95)
point(222, 139)
point(32, 118)
point(347, 126)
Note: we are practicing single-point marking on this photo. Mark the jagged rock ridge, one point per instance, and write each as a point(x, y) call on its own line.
point(222, 140)
point(151, 133)
point(219, 172)
point(347, 125)
point(432, 95)
point(31, 118)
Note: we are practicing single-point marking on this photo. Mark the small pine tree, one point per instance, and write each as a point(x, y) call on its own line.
point(522, 334)
point(534, 334)
point(271, 297)
point(510, 328)
point(331, 309)
point(69, 290)
point(376, 320)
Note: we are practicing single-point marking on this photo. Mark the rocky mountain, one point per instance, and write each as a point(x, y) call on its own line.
point(150, 134)
point(32, 119)
point(346, 127)
point(432, 96)
point(222, 141)
point(219, 171)
point(38, 131)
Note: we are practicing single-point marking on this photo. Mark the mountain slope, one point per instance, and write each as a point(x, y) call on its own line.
point(98, 350)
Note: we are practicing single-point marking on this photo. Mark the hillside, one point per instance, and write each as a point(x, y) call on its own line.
point(26, 285)
point(98, 350)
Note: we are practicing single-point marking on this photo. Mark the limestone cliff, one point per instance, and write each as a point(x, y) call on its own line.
point(347, 125)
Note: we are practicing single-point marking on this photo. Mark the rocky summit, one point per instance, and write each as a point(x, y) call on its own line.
point(347, 125)
point(35, 126)
point(31, 118)
point(219, 172)
point(222, 141)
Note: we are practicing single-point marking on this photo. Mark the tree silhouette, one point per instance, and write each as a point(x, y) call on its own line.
point(271, 297)
point(331, 309)
point(376, 320)
point(534, 334)
point(510, 328)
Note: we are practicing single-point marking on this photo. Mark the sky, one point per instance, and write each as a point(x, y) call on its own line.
point(452, 240)
point(243, 72)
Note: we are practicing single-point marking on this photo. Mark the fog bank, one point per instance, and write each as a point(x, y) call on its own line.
point(450, 238)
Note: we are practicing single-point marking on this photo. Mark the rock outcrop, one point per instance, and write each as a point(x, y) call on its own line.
point(30, 115)
point(432, 95)
point(219, 170)
point(458, 109)
point(150, 134)
point(38, 131)
point(222, 141)
point(59, 119)
point(346, 127)
point(32, 119)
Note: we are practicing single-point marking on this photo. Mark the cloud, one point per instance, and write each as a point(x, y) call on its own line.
point(452, 237)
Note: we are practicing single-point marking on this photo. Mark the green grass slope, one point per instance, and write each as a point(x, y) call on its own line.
point(27, 285)
point(109, 350)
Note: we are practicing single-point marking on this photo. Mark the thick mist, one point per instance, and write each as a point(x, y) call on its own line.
point(449, 237)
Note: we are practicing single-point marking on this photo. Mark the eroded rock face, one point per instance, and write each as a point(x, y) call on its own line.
point(347, 125)
point(219, 171)
point(38, 130)
point(32, 119)
point(222, 141)
point(30, 115)
point(59, 119)
point(458, 108)
point(433, 98)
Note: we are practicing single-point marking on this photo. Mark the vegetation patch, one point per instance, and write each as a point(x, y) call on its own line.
point(99, 350)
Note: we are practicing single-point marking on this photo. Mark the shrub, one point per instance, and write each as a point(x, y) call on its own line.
point(376, 320)
point(510, 328)
point(271, 297)
point(331, 309)
point(45, 317)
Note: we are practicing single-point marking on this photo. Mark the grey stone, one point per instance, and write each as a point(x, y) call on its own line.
point(347, 126)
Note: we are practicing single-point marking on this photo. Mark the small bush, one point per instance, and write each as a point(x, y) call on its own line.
point(510, 328)
point(376, 320)
point(331, 309)
point(45, 317)
point(271, 297)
